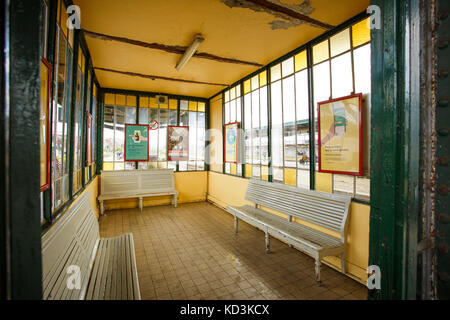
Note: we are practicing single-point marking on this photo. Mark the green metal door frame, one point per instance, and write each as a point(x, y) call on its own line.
point(395, 148)
point(20, 174)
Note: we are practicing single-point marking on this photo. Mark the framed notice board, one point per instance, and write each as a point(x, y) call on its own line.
point(340, 135)
point(136, 142)
point(177, 143)
point(231, 144)
point(44, 130)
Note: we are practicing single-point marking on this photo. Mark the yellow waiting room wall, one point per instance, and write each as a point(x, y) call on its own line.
point(191, 187)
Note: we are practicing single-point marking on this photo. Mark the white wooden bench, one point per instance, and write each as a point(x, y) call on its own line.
point(72, 249)
point(323, 209)
point(139, 184)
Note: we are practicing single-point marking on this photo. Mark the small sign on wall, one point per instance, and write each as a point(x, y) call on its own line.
point(340, 135)
point(136, 142)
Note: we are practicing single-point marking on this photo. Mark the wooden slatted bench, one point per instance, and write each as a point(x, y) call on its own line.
point(322, 209)
point(137, 184)
point(72, 249)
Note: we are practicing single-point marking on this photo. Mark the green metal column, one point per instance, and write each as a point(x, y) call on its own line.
point(20, 174)
point(395, 148)
point(443, 151)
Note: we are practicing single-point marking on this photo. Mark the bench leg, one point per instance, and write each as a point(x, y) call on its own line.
point(235, 225)
point(267, 242)
point(343, 262)
point(140, 204)
point(318, 263)
point(174, 200)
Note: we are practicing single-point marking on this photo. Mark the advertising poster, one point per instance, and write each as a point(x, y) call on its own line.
point(88, 140)
point(231, 142)
point(178, 143)
point(136, 142)
point(44, 129)
point(340, 135)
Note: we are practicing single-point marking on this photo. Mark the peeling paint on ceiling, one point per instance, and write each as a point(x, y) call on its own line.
point(287, 22)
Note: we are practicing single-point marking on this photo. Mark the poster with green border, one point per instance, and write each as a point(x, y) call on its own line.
point(136, 142)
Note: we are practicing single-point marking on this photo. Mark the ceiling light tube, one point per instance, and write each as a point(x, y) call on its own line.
point(190, 51)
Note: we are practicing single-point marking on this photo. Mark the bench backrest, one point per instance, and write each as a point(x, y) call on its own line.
point(71, 241)
point(323, 209)
point(137, 181)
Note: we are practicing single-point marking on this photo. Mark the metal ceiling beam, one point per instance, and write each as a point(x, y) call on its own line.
point(276, 8)
point(167, 48)
point(152, 77)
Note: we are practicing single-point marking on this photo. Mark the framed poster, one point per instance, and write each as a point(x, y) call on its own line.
point(88, 139)
point(136, 142)
point(231, 142)
point(177, 143)
point(340, 135)
point(44, 128)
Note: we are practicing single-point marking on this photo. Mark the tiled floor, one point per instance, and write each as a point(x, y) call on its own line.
point(191, 252)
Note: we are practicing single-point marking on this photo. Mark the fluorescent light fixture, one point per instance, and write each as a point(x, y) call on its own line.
point(190, 52)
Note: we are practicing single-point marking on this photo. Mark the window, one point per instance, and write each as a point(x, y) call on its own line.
point(256, 126)
point(61, 111)
point(290, 122)
point(120, 109)
point(78, 122)
point(116, 114)
point(233, 113)
point(338, 66)
point(342, 66)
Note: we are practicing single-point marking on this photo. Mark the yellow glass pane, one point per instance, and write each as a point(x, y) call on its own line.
point(263, 78)
point(143, 102)
point(361, 32)
point(201, 107)
point(248, 170)
point(71, 37)
point(247, 87)
point(95, 91)
point(153, 103)
point(193, 105)
point(153, 165)
point(301, 61)
point(79, 56)
point(255, 83)
point(340, 42)
point(58, 14)
point(290, 177)
point(275, 73)
point(173, 104)
point(320, 52)
point(110, 98)
point(108, 166)
point(164, 106)
point(233, 168)
point(83, 62)
point(120, 99)
point(162, 165)
point(64, 18)
point(131, 101)
point(265, 173)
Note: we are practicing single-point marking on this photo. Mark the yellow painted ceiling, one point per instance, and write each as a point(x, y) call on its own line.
point(238, 33)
